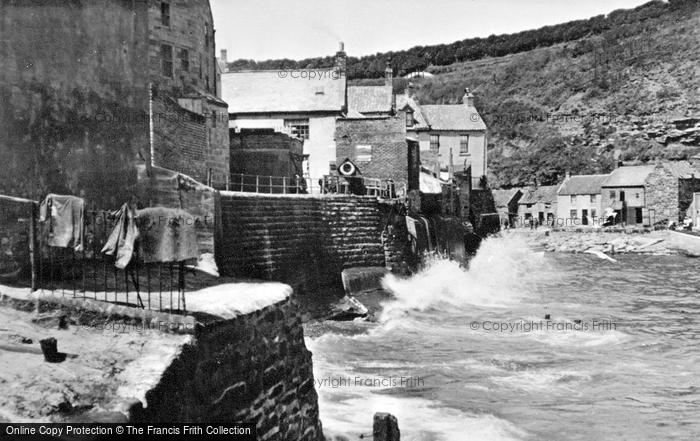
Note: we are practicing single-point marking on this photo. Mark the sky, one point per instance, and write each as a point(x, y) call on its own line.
point(296, 29)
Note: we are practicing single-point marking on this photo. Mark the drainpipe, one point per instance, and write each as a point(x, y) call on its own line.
point(150, 163)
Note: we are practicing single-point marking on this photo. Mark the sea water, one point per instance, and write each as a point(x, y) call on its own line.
point(467, 354)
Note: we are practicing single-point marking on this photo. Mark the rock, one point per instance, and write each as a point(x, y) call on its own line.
point(347, 308)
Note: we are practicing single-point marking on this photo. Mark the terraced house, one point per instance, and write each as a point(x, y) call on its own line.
point(579, 201)
point(452, 137)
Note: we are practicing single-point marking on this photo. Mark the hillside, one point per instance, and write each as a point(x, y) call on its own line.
point(422, 57)
point(628, 94)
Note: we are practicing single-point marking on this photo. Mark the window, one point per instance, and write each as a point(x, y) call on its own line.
point(572, 214)
point(201, 65)
point(166, 55)
point(622, 196)
point(363, 153)
point(409, 119)
point(612, 194)
point(184, 60)
point(298, 127)
point(435, 142)
point(463, 145)
point(573, 198)
point(530, 205)
point(592, 199)
point(594, 214)
point(206, 35)
point(165, 14)
point(636, 195)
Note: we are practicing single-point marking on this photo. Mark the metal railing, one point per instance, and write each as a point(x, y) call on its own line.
point(328, 184)
point(28, 260)
point(91, 274)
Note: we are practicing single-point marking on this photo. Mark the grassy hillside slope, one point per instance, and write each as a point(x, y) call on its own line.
point(630, 93)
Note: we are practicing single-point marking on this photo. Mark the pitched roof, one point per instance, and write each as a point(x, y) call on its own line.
point(582, 184)
point(682, 169)
point(403, 101)
point(503, 197)
point(631, 176)
point(367, 99)
point(279, 91)
point(452, 117)
point(544, 193)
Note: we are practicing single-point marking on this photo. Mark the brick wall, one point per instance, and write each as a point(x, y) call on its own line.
point(180, 139)
point(255, 367)
point(302, 240)
point(387, 136)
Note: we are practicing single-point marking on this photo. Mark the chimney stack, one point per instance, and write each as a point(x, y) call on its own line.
point(224, 56)
point(409, 90)
point(388, 74)
point(468, 98)
point(341, 60)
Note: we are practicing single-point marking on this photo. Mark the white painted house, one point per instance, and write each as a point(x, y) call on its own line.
point(303, 103)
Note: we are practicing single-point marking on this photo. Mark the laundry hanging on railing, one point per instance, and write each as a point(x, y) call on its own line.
point(65, 216)
point(167, 235)
point(122, 240)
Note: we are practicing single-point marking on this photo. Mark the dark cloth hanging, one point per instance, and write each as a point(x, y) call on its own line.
point(66, 224)
point(123, 238)
point(167, 235)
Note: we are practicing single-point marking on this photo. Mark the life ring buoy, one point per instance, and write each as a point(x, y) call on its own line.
point(347, 169)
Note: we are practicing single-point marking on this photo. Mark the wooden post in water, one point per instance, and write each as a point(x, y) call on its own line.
point(385, 427)
point(32, 244)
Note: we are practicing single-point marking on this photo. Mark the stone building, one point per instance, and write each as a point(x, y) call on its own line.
point(190, 136)
point(452, 137)
point(649, 195)
point(538, 203)
point(579, 201)
point(506, 202)
point(80, 100)
point(378, 148)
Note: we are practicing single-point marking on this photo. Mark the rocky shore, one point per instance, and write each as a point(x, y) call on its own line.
point(658, 243)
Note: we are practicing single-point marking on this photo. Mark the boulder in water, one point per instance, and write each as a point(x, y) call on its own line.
point(347, 308)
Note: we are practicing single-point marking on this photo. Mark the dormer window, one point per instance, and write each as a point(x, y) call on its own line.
point(409, 118)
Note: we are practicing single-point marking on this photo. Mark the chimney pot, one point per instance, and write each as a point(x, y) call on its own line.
point(224, 55)
point(468, 99)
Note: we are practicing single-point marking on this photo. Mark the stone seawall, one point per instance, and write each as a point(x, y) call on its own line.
point(239, 356)
point(252, 368)
point(304, 240)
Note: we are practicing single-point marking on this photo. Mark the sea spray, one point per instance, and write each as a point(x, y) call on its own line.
point(501, 273)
